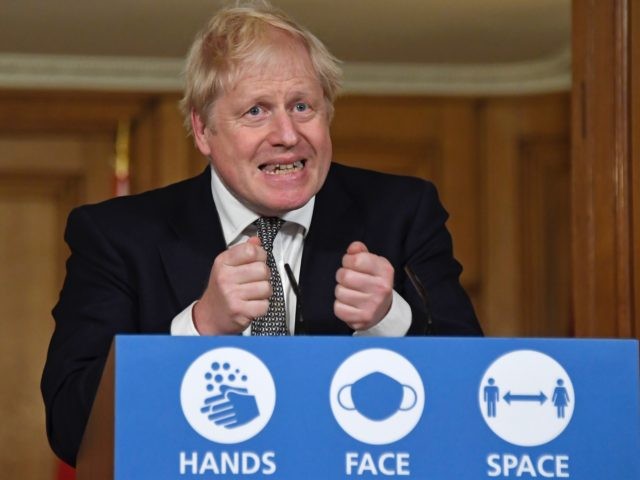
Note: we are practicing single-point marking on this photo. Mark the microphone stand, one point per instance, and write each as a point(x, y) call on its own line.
point(299, 327)
point(422, 293)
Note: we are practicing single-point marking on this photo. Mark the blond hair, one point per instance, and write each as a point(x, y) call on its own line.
point(239, 35)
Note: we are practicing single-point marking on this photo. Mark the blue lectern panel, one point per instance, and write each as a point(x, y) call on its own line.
point(335, 408)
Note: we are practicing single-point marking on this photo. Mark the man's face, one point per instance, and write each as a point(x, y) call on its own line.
point(268, 137)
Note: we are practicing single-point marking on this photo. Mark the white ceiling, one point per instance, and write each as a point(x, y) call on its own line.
point(380, 31)
point(400, 46)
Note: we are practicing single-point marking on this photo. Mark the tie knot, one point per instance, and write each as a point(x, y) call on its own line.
point(268, 228)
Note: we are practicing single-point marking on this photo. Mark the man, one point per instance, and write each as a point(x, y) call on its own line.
point(207, 255)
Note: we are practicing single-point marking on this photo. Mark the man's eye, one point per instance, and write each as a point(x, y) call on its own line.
point(254, 111)
point(301, 107)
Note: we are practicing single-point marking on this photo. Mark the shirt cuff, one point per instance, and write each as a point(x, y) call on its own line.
point(395, 324)
point(182, 324)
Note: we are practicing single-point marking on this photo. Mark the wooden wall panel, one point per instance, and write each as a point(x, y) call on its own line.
point(393, 135)
point(461, 188)
point(524, 158)
point(42, 176)
point(161, 151)
point(545, 237)
point(28, 286)
point(56, 151)
point(501, 250)
point(604, 168)
point(66, 111)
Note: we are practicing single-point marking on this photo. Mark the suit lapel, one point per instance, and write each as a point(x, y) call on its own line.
point(337, 221)
point(188, 255)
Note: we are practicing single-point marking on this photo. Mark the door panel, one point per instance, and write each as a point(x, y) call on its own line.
point(42, 176)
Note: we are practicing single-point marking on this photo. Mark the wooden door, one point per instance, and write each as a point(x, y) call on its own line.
point(56, 151)
point(605, 168)
point(41, 177)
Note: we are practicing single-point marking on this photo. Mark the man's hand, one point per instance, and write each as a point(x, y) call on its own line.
point(238, 290)
point(365, 288)
point(232, 408)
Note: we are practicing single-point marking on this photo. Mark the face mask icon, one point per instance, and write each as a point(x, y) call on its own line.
point(377, 396)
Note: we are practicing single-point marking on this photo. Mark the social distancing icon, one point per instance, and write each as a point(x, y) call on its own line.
point(526, 398)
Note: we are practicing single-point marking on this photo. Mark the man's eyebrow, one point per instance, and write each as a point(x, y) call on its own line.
point(250, 98)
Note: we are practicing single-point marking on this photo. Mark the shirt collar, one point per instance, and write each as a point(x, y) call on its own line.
point(235, 217)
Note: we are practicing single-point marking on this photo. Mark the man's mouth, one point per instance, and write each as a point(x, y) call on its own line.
point(282, 168)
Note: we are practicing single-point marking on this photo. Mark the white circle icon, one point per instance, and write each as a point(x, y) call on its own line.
point(377, 396)
point(526, 398)
point(227, 395)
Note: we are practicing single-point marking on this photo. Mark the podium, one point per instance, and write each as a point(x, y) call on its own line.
point(333, 408)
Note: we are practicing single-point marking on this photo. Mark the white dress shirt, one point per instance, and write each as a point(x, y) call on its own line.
point(237, 226)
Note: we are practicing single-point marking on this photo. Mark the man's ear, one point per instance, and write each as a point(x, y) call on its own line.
point(200, 133)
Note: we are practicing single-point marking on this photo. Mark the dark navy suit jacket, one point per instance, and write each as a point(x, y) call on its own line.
point(138, 261)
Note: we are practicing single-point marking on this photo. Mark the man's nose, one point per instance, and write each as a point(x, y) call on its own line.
point(284, 131)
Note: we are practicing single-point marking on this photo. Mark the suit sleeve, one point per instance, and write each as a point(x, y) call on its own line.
point(96, 301)
point(429, 253)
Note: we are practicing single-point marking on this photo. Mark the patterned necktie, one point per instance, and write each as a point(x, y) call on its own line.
point(274, 322)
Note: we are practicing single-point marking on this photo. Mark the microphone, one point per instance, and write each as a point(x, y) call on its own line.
point(422, 293)
point(299, 327)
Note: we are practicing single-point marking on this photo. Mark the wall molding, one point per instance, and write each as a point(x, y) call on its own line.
point(89, 73)
point(551, 74)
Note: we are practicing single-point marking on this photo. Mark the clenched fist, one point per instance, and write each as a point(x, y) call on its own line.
point(237, 292)
point(364, 289)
